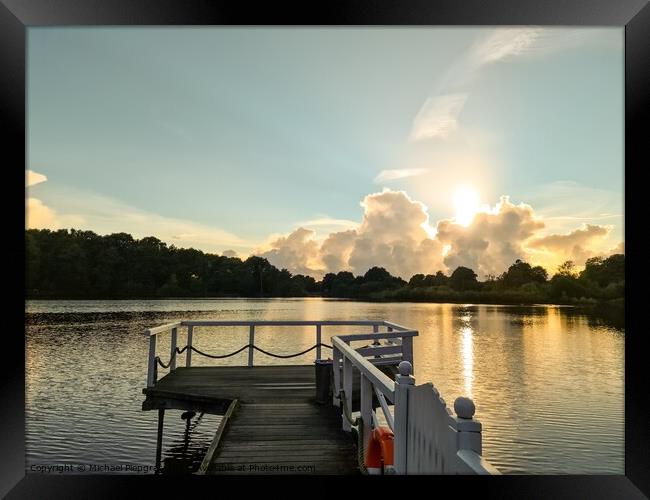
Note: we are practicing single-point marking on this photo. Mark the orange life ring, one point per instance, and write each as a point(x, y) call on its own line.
point(380, 450)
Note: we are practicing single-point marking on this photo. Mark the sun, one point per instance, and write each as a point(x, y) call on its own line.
point(467, 204)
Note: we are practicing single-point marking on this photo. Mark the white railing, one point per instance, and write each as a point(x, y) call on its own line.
point(398, 346)
point(428, 437)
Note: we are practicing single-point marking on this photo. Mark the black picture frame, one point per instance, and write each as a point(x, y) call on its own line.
point(17, 15)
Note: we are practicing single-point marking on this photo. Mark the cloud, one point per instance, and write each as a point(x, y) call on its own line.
point(326, 223)
point(392, 234)
point(493, 240)
point(336, 249)
point(297, 252)
point(505, 43)
point(438, 117)
point(391, 175)
point(104, 215)
point(619, 248)
point(396, 233)
point(578, 245)
point(39, 216)
point(32, 178)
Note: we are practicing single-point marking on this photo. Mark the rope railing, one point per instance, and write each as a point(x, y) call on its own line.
point(247, 346)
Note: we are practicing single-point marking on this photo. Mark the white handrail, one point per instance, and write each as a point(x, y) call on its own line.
point(380, 380)
point(210, 322)
point(162, 328)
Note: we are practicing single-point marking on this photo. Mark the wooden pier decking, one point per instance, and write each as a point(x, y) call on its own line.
point(275, 427)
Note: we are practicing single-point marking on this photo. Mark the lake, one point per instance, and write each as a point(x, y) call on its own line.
point(547, 381)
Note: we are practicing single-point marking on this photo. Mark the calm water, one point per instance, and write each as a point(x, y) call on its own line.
point(547, 381)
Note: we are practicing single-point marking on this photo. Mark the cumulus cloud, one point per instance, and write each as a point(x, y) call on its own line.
point(578, 245)
point(39, 216)
point(396, 233)
point(297, 252)
point(493, 240)
point(620, 248)
point(336, 249)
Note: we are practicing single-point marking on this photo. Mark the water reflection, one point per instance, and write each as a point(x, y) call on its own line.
point(468, 358)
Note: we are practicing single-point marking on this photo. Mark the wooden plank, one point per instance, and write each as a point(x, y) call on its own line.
point(217, 438)
point(372, 336)
point(267, 438)
point(379, 350)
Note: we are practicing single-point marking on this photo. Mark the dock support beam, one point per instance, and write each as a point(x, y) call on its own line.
point(318, 341)
point(161, 418)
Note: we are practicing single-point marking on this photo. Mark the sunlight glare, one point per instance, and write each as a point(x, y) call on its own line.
point(466, 202)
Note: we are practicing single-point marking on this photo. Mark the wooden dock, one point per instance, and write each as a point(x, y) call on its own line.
point(280, 419)
point(275, 427)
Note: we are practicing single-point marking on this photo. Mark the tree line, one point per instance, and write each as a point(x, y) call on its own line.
point(81, 264)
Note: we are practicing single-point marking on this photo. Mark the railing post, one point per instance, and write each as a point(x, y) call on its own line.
point(151, 369)
point(318, 339)
point(336, 372)
point(389, 330)
point(403, 382)
point(188, 356)
point(469, 430)
point(347, 389)
point(375, 329)
point(251, 343)
point(407, 350)
point(174, 343)
point(366, 409)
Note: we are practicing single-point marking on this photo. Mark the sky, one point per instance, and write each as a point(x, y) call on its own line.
point(328, 149)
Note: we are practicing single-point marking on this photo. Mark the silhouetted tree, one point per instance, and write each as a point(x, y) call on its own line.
point(520, 273)
point(567, 268)
point(463, 278)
